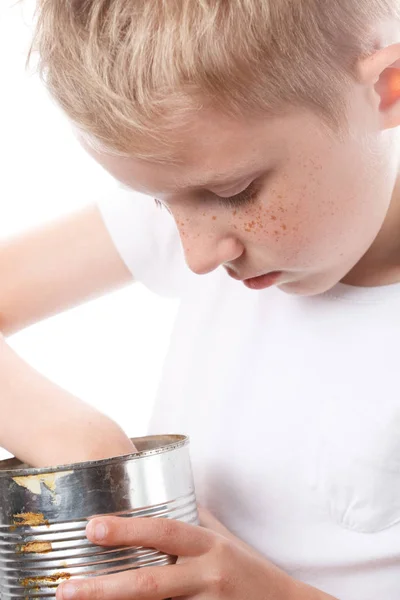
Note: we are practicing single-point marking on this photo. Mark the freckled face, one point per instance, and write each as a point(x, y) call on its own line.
point(275, 194)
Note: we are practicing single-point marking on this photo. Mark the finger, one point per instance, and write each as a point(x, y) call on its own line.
point(147, 583)
point(166, 535)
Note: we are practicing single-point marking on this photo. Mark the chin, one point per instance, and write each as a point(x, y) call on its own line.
point(309, 286)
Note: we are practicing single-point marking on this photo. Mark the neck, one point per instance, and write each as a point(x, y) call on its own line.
point(381, 263)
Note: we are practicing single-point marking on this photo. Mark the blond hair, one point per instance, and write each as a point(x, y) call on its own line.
point(129, 72)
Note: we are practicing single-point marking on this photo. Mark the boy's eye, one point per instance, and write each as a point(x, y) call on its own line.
point(244, 197)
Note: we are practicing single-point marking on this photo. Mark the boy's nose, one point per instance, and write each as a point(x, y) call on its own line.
point(203, 254)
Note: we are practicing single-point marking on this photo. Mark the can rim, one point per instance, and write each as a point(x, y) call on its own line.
point(174, 442)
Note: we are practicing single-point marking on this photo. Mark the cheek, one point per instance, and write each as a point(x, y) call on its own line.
point(281, 219)
point(266, 221)
point(305, 220)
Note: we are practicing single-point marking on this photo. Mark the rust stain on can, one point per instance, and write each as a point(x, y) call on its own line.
point(35, 547)
point(30, 519)
point(36, 582)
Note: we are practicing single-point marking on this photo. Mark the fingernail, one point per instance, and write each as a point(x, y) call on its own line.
point(68, 591)
point(97, 530)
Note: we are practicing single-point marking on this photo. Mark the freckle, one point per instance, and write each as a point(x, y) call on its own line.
point(283, 227)
point(248, 230)
point(204, 214)
point(273, 218)
point(234, 227)
point(234, 213)
point(214, 218)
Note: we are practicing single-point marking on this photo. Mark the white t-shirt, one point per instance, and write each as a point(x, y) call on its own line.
point(292, 405)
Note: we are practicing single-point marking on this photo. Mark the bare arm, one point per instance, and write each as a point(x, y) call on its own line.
point(56, 267)
point(41, 274)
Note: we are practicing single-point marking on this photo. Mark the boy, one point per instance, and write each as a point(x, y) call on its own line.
point(267, 130)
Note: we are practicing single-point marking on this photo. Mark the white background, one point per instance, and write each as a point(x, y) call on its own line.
point(110, 351)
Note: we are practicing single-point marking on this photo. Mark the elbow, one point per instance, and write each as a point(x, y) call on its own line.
point(8, 326)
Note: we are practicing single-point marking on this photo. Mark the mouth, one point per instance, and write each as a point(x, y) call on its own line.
point(260, 282)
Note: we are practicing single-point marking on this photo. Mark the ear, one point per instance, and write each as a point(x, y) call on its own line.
point(381, 73)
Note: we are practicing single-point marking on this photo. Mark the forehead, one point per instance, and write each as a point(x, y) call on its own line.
point(214, 150)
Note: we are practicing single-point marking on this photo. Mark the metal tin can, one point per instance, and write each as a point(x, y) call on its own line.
point(44, 513)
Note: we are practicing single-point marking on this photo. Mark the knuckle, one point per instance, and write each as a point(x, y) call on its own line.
point(121, 530)
point(126, 526)
point(167, 527)
point(219, 573)
point(222, 548)
point(218, 581)
point(93, 589)
point(146, 584)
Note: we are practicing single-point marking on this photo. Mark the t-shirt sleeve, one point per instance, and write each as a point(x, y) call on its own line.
point(147, 240)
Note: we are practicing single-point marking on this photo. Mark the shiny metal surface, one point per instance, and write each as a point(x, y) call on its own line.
point(44, 512)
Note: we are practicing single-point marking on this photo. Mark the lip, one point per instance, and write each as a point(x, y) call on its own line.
point(233, 274)
point(263, 281)
point(257, 283)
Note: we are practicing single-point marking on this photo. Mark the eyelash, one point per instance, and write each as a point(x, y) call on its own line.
point(244, 197)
